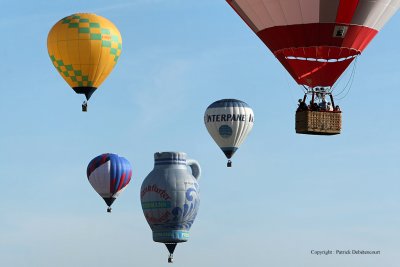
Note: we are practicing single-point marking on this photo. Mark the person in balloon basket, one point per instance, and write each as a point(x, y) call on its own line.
point(314, 107)
point(330, 107)
point(302, 106)
point(323, 105)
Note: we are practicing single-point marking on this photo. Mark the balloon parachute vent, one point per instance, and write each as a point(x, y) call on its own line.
point(229, 164)
point(109, 209)
point(84, 106)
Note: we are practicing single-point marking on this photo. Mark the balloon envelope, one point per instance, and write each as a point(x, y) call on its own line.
point(84, 49)
point(170, 197)
point(229, 121)
point(315, 40)
point(109, 174)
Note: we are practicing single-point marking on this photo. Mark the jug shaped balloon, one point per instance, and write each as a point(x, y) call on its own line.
point(109, 174)
point(170, 198)
point(84, 48)
point(229, 121)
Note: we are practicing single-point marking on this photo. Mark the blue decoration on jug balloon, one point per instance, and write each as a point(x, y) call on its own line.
point(185, 215)
point(225, 131)
point(188, 194)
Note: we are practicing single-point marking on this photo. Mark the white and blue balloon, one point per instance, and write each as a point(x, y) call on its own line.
point(229, 121)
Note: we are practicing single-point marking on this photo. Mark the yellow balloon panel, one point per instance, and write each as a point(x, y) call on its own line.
point(84, 48)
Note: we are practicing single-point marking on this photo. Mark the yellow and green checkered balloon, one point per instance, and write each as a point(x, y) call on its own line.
point(84, 48)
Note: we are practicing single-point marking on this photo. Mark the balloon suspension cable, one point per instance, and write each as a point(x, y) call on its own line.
point(109, 209)
point(318, 92)
point(319, 96)
point(341, 77)
point(305, 89)
point(349, 83)
point(229, 164)
point(84, 106)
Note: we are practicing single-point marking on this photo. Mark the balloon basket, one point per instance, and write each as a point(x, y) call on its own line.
point(229, 164)
point(170, 258)
point(318, 122)
point(84, 107)
point(109, 209)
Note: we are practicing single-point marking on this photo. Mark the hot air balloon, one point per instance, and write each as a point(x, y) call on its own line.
point(229, 121)
point(316, 40)
point(109, 174)
point(84, 49)
point(170, 198)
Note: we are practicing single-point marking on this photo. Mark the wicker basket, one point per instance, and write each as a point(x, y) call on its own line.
point(318, 122)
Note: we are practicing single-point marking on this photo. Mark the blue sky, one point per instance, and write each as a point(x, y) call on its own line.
point(286, 194)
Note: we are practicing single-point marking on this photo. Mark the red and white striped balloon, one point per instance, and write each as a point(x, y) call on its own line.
point(315, 40)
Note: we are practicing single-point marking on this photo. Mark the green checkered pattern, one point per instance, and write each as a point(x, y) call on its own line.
point(76, 21)
point(68, 72)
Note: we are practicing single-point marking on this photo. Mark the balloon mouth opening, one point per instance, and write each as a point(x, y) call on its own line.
point(229, 151)
point(171, 247)
point(109, 201)
point(85, 90)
